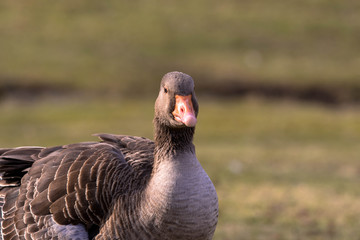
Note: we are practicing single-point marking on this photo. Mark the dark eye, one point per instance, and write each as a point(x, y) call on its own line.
point(165, 90)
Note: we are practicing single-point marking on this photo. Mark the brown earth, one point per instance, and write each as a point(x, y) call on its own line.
point(329, 95)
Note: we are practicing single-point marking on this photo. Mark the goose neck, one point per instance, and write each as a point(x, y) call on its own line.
point(172, 141)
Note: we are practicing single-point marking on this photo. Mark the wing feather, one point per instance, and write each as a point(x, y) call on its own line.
point(70, 184)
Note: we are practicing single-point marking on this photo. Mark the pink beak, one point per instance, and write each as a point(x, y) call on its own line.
point(184, 111)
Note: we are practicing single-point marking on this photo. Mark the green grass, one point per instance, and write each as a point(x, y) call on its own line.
point(282, 170)
point(122, 45)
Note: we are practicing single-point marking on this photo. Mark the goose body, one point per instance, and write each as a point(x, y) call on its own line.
point(123, 187)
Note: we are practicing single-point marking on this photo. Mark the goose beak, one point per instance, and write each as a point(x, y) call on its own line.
point(184, 111)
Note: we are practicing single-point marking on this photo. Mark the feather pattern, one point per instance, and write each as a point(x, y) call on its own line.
point(74, 184)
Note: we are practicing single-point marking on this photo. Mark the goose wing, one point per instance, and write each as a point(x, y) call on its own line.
point(68, 185)
point(138, 152)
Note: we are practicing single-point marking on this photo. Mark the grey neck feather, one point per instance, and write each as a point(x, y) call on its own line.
point(171, 141)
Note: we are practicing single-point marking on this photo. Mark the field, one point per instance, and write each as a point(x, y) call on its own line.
point(278, 84)
point(281, 170)
point(119, 46)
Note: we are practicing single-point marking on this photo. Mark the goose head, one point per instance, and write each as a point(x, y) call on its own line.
point(176, 105)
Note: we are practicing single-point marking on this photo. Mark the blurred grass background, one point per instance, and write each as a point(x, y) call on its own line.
point(283, 169)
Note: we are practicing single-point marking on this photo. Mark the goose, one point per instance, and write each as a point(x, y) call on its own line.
point(121, 187)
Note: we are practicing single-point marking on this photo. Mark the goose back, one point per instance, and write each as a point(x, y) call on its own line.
point(71, 184)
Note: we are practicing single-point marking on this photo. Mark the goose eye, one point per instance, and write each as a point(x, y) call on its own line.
point(165, 90)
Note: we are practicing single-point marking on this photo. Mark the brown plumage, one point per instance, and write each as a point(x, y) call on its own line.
point(122, 187)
